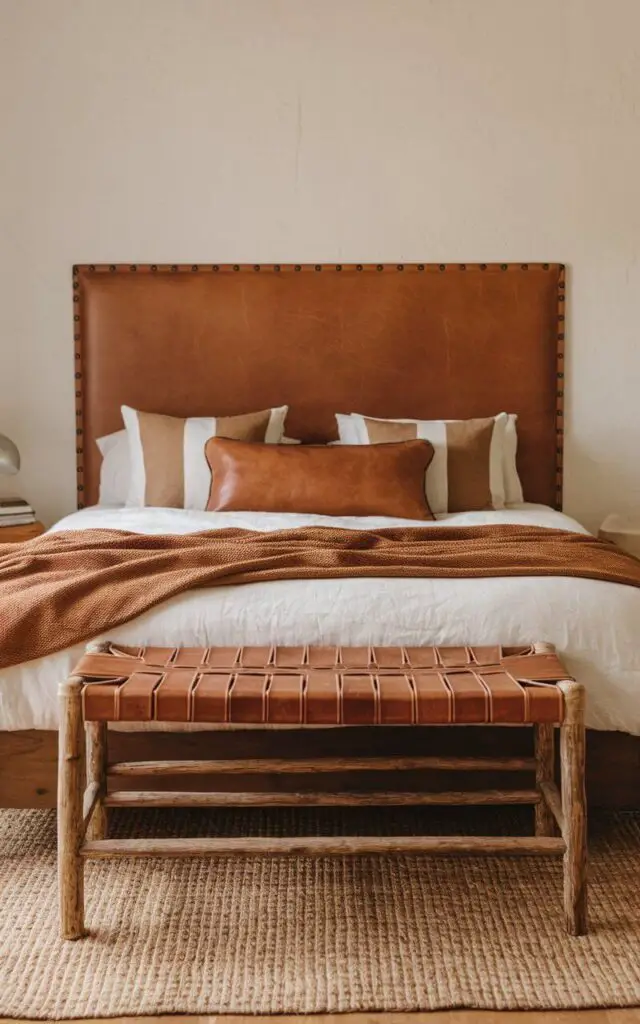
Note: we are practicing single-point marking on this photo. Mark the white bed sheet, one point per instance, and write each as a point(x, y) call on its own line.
point(595, 625)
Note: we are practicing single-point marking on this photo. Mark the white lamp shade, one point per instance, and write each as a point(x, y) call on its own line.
point(9, 456)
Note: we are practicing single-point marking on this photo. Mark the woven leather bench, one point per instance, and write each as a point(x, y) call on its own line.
point(319, 686)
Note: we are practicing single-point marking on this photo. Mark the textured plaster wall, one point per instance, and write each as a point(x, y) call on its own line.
point(257, 130)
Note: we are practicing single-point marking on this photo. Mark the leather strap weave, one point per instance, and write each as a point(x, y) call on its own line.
point(323, 685)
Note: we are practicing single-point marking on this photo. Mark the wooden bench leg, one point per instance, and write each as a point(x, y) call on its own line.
point(96, 737)
point(544, 736)
point(70, 815)
point(572, 755)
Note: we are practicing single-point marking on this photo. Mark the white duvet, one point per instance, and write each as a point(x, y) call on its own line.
point(594, 625)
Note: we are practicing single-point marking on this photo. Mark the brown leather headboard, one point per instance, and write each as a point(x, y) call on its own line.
point(433, 341)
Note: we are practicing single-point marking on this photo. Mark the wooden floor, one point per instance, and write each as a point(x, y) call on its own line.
point(445, 1017)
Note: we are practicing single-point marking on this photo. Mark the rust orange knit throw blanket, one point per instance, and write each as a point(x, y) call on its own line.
point(63, 588)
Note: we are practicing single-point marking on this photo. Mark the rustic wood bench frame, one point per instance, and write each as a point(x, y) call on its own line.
point(82, 809)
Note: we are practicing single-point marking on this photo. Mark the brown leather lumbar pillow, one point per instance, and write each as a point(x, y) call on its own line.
point(340, 480)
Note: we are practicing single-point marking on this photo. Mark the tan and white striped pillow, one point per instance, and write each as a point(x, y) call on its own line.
point(466, 472)
point(168, 464)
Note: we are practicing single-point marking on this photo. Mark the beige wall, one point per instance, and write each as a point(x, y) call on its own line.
point(231, 130)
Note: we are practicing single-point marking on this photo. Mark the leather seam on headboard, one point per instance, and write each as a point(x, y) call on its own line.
point(79, 324)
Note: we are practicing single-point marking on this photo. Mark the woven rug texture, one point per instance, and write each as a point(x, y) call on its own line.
point(302, 935)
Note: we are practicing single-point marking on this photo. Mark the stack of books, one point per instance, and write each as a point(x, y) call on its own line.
point(16, 512)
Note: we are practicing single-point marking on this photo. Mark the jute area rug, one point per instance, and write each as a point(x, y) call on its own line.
point(298, 935)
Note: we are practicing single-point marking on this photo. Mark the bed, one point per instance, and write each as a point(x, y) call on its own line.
point(446, 341)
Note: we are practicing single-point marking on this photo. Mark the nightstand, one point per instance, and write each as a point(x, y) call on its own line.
point(623, 531)
point(16, 534)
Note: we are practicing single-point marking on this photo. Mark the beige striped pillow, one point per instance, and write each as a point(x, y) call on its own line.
point(168, 464)
point(466, 472)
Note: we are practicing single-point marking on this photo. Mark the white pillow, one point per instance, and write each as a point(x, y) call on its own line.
point(168, 465)
point(347, 429)
point(350, 434)
point(115, 469)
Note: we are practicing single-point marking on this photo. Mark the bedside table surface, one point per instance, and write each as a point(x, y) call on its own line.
point(16, 534)
point(623, 531)
point(617, 523)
